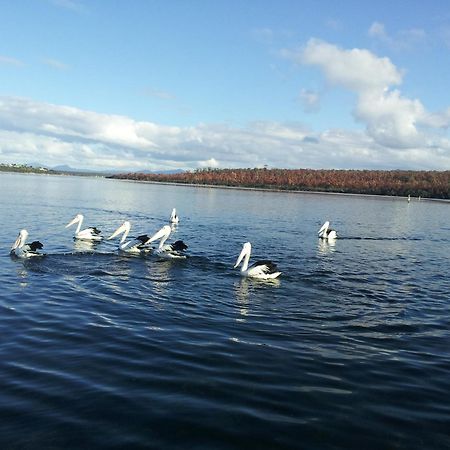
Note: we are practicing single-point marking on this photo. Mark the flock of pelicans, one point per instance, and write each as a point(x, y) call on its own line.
point(141, 245)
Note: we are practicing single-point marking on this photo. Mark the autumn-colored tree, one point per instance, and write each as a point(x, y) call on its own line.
point(433, 184)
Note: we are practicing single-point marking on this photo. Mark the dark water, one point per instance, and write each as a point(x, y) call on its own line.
point(350, 349)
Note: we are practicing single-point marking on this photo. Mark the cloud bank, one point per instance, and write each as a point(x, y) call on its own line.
point(398, 132)
point(393, 121)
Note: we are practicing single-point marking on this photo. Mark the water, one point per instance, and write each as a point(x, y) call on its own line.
point(350, 348)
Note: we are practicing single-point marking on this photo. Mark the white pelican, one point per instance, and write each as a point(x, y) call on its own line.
point(326, 232)
point(23, 250)
point(135, 245)
point(173, 216)
point(174, 250)
point(263, 269)
point(88, 234)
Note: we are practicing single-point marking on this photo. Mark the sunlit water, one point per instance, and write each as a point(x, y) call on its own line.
point(349, 349)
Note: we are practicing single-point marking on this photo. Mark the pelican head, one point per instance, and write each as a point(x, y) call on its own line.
point(173, 216)
point(21, 239)
point(325, 232)
point(246, 250)
point(22, 250)
point(77, 219)
point(262, 269)
point(88, 234)
point(124, 228)
point(162, 234)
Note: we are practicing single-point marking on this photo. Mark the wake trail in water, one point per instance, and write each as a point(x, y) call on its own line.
point(374, 238)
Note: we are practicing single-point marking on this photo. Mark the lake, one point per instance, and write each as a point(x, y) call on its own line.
point(349, 348)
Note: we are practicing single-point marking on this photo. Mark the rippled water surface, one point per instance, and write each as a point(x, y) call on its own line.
point(349, 349)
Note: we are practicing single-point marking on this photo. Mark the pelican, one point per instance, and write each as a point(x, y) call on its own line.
point(174, 250)
point(23, 250)
point(327, 233)
point(173, 216)
point(263, 269)
point(88, 234)
point(135, 245)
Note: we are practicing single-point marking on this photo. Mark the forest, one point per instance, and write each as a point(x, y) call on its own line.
point(430, 184)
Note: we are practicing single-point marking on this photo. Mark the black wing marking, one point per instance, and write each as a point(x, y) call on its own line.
point(267, 266)
point(35, 245)
point(178, 246)
point(143, 238)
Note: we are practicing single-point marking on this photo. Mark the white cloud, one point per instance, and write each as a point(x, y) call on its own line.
point(8, 61)
point(54, 134)
point(444, 34)
point(334, 24)
point(392, 120)
point(310, 100)
point(70, 5)
point(355, 69)
point(157, 93)
point(209, 163)
point(403, 40)
point(263, 35)
point(55, 64)
point(377, 30)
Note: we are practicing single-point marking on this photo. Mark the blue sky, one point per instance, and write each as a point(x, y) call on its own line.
point(186, 84)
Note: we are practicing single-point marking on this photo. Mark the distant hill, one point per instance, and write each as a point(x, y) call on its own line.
point(65, 169)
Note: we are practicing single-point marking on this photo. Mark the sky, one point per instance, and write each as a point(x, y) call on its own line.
point(187, 84)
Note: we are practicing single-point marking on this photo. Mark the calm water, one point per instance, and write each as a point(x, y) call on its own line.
point(350, 349)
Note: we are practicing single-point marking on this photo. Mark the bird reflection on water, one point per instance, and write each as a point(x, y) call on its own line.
point(326, 246)
point(247, 288)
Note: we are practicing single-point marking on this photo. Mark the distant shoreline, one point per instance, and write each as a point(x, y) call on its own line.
point(390, 183)
point(51, 172)
point(283, 191)
point(55, 172)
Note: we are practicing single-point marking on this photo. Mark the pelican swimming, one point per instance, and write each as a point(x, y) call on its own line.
point(263, 269)
point(135, 245)
point(174, 250)
point(326, 232)
point(23, 250)
point(173, 216)
point(88, 234)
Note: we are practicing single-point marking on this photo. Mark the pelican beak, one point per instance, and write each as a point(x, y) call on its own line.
point(324, 227)
point(239, 260)
point(124, 227)
point(165, 230)
point(20, 239)
point(17, 242)
point(75, 220)
point(241, 256)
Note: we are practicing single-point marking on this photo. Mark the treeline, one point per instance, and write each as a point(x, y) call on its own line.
point(23, 168)
point(431, 184)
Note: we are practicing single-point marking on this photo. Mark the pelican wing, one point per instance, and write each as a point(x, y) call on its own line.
point(35, 245)
point(265, 266)
point(135, 246)
point(143, 238)
point(263, 270)
point(178, 246)
point(89, 233)
point(140, 243)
